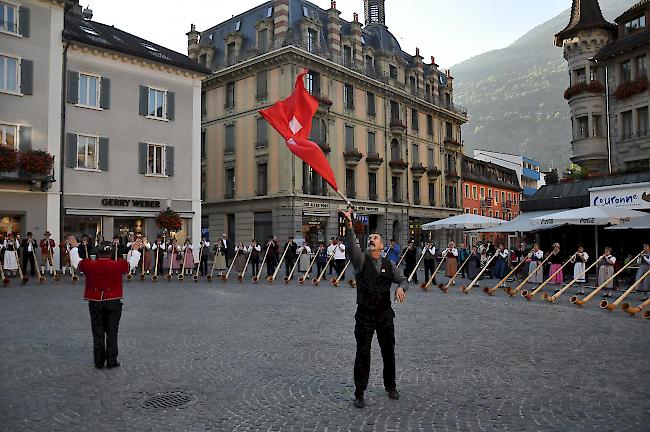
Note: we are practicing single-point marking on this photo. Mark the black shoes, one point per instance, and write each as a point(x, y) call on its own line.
point(359, 402)
point(99, 366)
point(113, 365)
point(393, 394)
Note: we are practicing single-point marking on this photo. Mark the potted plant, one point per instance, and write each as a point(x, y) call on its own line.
point(36, 162)
point(8, 159)
point(169, 220)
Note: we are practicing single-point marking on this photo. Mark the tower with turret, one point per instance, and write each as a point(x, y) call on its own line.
point(584, 36)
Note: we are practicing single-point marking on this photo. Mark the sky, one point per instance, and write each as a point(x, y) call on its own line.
point(452, 31)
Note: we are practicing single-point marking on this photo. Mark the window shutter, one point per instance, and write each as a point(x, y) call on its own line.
point(142, 158)
point(25, 138)
point(23, 17)
point(103, 154)
point(73, 87)
point(169, 161)
point(27, 77)
point(70, 150)
point(105, 93)
point(144, 99)
point(170, 106)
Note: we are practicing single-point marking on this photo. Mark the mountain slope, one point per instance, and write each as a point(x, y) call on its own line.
point(515, 95)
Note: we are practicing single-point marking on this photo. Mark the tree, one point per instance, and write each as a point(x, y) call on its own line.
point(551, 177)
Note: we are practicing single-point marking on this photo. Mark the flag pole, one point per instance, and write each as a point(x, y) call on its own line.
point(347, 201)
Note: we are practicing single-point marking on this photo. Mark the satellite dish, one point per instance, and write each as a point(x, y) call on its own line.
point(443, 79)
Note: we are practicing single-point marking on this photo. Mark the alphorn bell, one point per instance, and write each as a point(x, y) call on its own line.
point(335, 281)
point(256, 278)
point(491, 291)
point(611, 306)
point(240, 276)
point(40, 276)
point(646, 314)
point(317, 280)
point(452, 281)
point(626, 307)
point(293, 268)
point(353, 283)
point(399, 263)
point(416, 266)
point(195, 276)
point(425, 286)
point(23, 278)
point(56, 275)
point(5, 279)
point(591, 295)
point(154, 277)
point(555, 296)
point(168, 276)
point(512, 292)
point(529, 295)
point(302, 279)
point(225, 277)
point(214, 262)
point(277, 268)
point(468, 288)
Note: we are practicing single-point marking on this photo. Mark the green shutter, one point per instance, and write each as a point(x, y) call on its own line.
point(70, 150)
point(103, 153)
point(105, 93)
point(144, 100)
point(23, 17)
point(171, 112)
point(26, 77)
point(169, 161)
point(73, 87)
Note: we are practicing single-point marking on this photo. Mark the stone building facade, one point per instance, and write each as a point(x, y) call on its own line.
point(608, 90)
point(386, 121)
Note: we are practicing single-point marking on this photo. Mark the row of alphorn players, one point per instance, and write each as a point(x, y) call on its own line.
point(517, 260)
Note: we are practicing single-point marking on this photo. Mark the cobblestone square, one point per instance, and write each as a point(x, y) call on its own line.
point(279, 357)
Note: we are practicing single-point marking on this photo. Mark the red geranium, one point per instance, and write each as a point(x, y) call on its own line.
point(169, 220)
point(36, 162)
point(630, 88)
point(8, 159)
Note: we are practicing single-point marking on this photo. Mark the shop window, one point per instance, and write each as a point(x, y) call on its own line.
point(87, 152)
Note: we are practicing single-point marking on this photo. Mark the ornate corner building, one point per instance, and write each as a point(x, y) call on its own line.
point(608, 90)
point(386, 120)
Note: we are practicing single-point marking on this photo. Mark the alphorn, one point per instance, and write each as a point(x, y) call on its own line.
point(425, 286)
point(144, 251)
point(646, 314)
point(256, 278)
point(302, 278)
point(73, 276)
point(225, 277)
point(491, 291)
point(512, 292)
point(468, 288)
point(335, 281)
point(353, 283)
point(195, 277)
point(452, 281)
point(154, 277)
point(529, 295)
point(40, 276)
point(626, 307)
point(591, 295)
point(181, 276)
point(214, 262)
point(555, 296)
point(399, 263)
point(5, 279)
point(288, 278)
point(611, 306)
point(56, 275)
point(416, 266)
point(23, 278)
point(168, 276)
point(240, 276)
point(278, 265)
point(317, 280)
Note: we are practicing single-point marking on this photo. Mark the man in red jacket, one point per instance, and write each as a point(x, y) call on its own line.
point(104, 293)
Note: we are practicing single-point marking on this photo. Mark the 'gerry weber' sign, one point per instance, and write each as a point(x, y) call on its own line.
point(114, 202)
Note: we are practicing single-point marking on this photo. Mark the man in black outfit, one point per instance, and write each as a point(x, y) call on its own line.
point(290, 257)
point(375, 276)
point(28, 251)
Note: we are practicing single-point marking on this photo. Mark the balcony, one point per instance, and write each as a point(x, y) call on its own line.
point(594, 87)
point(325, 147)
point(507, 205)
point(324, 103)
point(398, 166)
point(452, 175)
point(589, 152)
point(397, 127)
point(373, 197)
point(531, 174)
point(630, 88)
point(418, 170)
point(36, 182)
point(352, 157)
point(452, 144)
point(486, 203)
point(374, 161)
point(34, 168)
point(433, 172)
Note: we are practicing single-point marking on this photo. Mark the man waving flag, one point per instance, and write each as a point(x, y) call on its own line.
point(292, 119)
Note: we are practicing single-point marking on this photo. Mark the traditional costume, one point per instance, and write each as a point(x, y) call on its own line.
point(188, 257)
point(606, 271)
point(220, 257)
point(473, 265)
point(534, 267)
point(10, 257)
point(644, 266)
point(429, 262)
point(174, 257)
point(501, 267)
point(47, 252)
point(452, 261)
point(579, 266)
point(556, 261)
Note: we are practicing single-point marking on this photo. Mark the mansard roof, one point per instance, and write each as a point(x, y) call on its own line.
point(585, 15)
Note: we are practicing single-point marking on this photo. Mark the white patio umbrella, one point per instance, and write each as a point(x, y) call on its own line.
point(589, 216)
point(640, 223)
point(464, 221)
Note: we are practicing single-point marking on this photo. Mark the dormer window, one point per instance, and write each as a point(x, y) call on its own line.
point(347, 55)
point(312, 39)
point(150, 47)
point(635, 24)
point(393, 71)
point(238, 25)
point(263, 40)
point(89, 30)
point(230, 53)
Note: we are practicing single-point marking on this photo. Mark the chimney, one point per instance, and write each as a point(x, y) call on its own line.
point(193, 43)
point(374, 12)
point(433, 60)
point(280, 20)
point(355, 30)
point(334, 30)
point(87, 14)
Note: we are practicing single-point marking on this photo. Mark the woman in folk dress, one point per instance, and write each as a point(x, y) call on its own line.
point(644, 266)
point(474, 263)
point(173, 253)
point(580, 261)
point(220, 256)
point(452, 259)
point(556, 261)
point(534, 267)
point(10, 262)
point(606, 271)
point(188, 256)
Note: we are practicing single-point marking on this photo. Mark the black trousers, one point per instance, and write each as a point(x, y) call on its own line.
point(28, 257)
point(366, 323)
point(463, 271)
point(271, 264)
point(339, 264)
point(429, 267)
point(255, 263)
point(288, 264)
point(320, 267)
point(408, 270)
point(332, 264)
point(204, 266)
point(105, 321)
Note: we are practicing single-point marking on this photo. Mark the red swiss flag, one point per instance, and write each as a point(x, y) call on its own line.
point(292, 119)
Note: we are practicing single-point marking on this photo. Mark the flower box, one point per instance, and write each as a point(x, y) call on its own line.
point(630, 88)
point(169, 220)
point(36, 162)
point(8, 159)
point(583, 87)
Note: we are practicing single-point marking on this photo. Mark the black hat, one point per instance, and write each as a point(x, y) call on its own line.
point(105, 247)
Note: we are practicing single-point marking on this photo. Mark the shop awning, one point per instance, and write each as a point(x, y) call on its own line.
point(122, 213)
point(521, 223)
point(642, 223)
point(463, 221)
point(589, 216)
